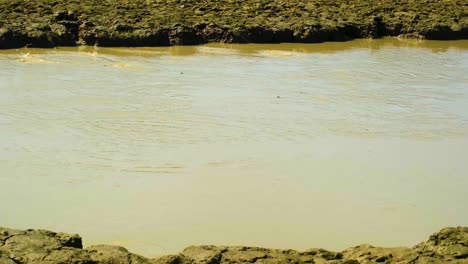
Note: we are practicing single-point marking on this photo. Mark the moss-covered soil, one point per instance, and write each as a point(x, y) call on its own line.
point(49, 23)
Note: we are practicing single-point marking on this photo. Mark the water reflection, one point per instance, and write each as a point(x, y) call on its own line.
point(244, 49)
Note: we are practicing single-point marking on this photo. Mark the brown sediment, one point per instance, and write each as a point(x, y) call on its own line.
point(50, 23)
point(450, 245)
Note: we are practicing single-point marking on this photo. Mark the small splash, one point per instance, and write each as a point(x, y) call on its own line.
point(216, 51)
point(32, 59)
point(88, 51)
point(278, 53)
point(123, 65)
point(93, 54)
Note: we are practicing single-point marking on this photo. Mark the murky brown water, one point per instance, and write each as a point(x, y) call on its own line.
point(289, 146)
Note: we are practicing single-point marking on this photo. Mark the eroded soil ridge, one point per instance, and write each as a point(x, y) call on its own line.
point(450, 245)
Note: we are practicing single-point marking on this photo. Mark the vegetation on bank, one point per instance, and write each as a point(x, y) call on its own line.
point(47, 23)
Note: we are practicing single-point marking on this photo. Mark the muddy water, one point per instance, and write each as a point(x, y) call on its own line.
point(289, 146)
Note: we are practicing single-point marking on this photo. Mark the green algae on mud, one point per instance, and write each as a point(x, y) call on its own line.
point(48, 23)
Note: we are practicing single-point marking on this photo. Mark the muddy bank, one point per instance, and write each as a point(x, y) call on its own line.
point(49, 23)
point(42, 246)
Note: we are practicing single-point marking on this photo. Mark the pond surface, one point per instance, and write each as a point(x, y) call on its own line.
point(285, 146)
